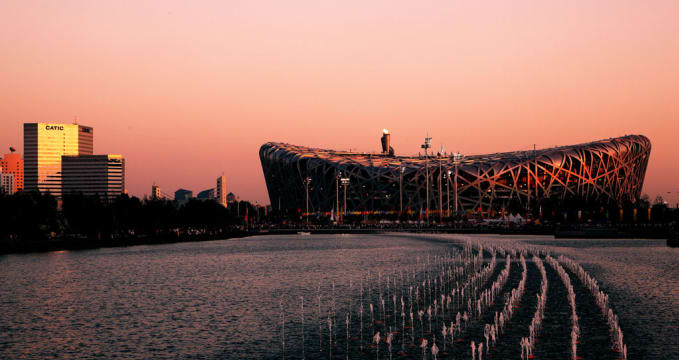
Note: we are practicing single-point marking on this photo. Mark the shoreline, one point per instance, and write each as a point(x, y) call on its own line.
point(92, 244)
point(74, 244)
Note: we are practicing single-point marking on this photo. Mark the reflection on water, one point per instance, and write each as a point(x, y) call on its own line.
point(221, 299)
point(213, 299)
point(642, 280)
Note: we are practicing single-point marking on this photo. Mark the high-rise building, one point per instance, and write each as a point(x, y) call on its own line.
point(93, 175)
point(44, 146)
point(220, 191)
point(14, 164)
point(7, 183)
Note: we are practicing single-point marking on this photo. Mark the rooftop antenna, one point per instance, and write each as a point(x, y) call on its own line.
point(75, 120)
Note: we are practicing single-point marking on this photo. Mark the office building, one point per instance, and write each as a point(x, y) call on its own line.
point(44, 146)
point(93, 175)
point(13, 164)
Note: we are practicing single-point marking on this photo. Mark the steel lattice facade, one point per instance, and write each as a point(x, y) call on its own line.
point(609, 170)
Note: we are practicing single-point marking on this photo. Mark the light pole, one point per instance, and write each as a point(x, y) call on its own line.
point(307, 181)
point(400, 182)
point(440, 190)
point(456, 158)
point(448, 192)
point(425, 146)
point(337, 181)
point(528, 175)
point(345, 183)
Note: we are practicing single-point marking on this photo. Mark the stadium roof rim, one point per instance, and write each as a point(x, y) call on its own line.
point(614, 144)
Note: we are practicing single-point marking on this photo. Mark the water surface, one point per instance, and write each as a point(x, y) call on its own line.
point(222, 299)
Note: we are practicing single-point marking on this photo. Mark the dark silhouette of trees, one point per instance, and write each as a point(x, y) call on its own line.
point(33, 220)
point(87, 215)
point(29, 216)
point(32, 217)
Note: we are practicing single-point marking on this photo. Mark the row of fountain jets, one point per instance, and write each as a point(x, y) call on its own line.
point(453, 283)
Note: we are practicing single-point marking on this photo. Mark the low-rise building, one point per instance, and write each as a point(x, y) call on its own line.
point(208, 194)
point(13, 164)
point(183, 195)
point(7, 184)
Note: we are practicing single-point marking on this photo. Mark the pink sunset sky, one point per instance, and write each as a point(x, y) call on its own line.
point(188, 90)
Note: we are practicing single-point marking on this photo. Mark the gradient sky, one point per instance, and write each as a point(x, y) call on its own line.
point(188, 90)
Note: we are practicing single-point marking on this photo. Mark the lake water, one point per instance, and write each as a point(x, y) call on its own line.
point(223, 299)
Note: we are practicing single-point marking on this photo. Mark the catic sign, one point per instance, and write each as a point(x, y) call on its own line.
point(54, 127)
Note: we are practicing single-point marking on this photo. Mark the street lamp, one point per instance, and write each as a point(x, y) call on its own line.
point(345, 183)
point(307, 182)
point(425, 146)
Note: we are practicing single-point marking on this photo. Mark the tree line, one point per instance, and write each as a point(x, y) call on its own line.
point(35, 217)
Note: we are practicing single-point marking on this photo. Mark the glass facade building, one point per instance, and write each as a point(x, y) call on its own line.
point(93, 175)
point(44, 146)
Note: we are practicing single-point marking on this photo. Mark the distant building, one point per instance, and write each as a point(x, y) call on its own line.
point(44, 146)
point(206, 194)
point(220, 191)
point(156, 193)
point(231, 198)
point(93, 175)
point(14, 164)
point(183, 195)
point(7, 183)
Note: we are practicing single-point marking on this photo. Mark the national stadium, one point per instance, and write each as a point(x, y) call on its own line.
point(609, 171)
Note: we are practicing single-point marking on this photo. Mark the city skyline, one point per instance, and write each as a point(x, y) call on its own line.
point(667, 197)
point(188, 91)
